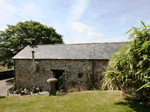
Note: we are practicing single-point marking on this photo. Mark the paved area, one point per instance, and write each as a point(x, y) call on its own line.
point(4, 85)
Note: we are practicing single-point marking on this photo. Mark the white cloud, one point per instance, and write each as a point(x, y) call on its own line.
point(10, 14)
point(80, 27)
point(6, 10)
point(23, 20)
point(78, 9)
point(83, 30)
point(30, 10)
point(82, 39)
point(59, 29)
point(2, 29)
point(6, 6)
point(95, 34)
point(78, 39)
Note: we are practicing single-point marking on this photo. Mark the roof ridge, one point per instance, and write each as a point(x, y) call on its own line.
point(82, 43)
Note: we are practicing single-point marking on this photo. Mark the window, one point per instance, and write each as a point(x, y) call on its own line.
point(79, 75)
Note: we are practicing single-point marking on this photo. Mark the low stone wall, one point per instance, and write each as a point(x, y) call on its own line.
point(26, 77)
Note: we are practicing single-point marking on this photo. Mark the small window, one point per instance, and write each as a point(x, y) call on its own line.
point(79, 75)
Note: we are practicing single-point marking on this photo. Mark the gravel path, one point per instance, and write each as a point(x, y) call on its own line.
point(4, 85)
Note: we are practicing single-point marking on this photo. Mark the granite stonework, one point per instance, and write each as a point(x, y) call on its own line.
point(26, 77)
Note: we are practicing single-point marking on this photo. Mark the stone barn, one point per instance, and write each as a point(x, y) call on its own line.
point(74, 65)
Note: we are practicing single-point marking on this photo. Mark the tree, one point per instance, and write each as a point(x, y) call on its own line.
point(129, 67)
point(16, 37)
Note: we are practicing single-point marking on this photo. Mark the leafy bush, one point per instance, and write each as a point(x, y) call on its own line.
point(129, 67)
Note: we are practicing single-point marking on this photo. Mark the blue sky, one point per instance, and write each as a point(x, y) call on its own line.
point(79, 21)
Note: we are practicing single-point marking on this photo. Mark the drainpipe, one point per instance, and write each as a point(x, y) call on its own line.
point(33, 59)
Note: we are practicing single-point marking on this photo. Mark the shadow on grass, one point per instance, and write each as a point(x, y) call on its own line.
point(60, 94)
point(136, 106)
point(2, 97)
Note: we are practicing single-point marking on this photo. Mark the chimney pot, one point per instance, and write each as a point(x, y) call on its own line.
point(32, 51)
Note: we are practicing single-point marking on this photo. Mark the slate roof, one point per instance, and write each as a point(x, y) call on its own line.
point(101, 51)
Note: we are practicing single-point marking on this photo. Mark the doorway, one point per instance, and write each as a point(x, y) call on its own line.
point(58, 74)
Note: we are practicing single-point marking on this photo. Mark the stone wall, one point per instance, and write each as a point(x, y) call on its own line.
point(26, 77)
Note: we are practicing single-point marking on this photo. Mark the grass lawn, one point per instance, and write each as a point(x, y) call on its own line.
point(75, 102)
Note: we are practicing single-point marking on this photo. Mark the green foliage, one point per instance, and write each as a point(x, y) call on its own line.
point(2, 68)
point(129, 67)
point(147, 85)
point(18, 36)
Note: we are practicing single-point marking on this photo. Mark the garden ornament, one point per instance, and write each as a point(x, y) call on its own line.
point(52, 90)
